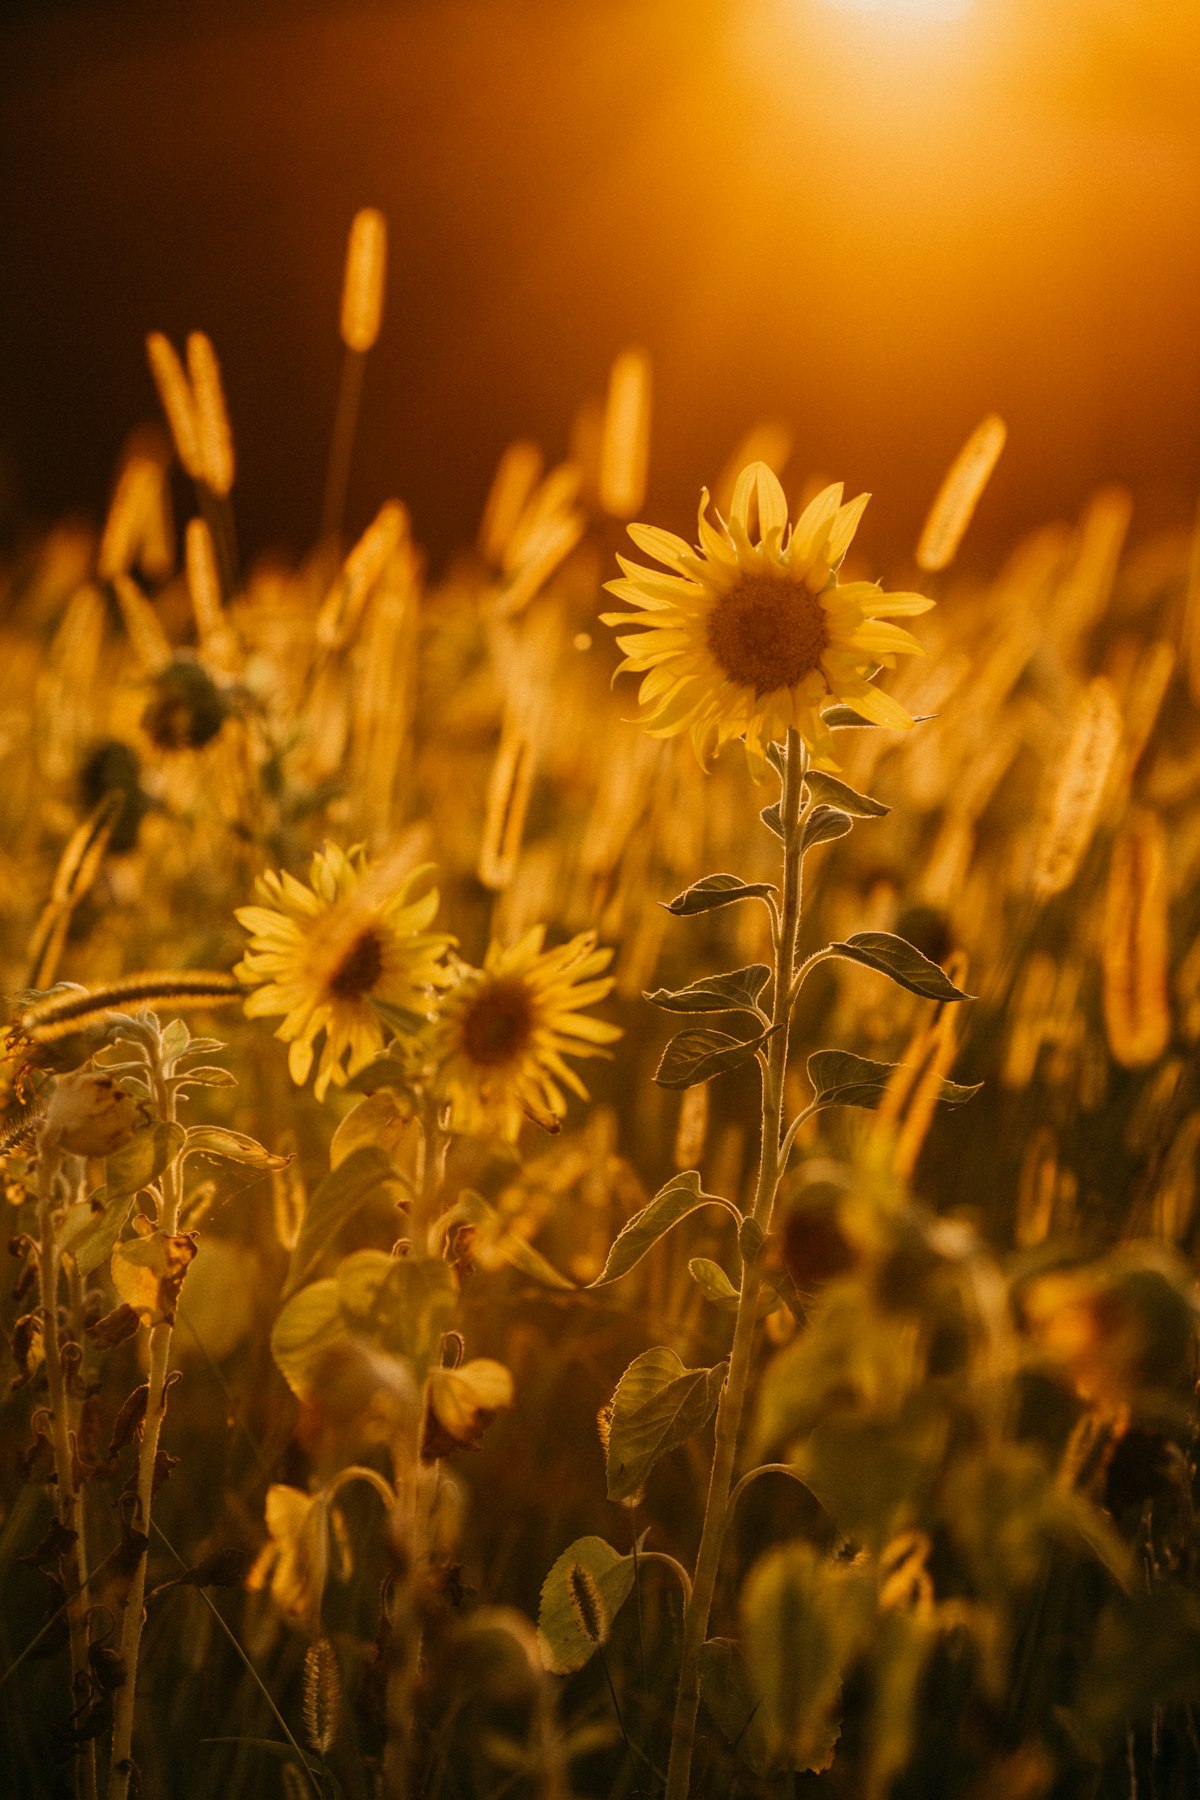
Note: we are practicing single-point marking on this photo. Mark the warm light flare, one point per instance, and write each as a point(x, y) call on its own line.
point(905, 9)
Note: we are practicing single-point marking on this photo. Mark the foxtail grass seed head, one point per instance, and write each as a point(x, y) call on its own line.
point(150, 642)
point(322, 1696)
point(364, 279)
point(178, 402)
point(514, 481)
point(214, 436)
point(129, 517)
point(509, 787)
point(588, 1604)
point(960, 493)
point(1088, 584)
point(1077, 795)
point(625, 437)
point(75, 1008)
point(204, 582)
point(1137, 1014)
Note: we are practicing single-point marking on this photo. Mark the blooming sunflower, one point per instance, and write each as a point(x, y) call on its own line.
point(321, 954)
point(744, 640)
point(504, 1030)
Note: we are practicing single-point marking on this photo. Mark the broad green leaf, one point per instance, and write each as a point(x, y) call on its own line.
point(378, 1120)
point(681, 1195)
point(842, 1079)
point(308, 1326)
point(93, 1227)
point(695, 1056)
point(712, 1281)
point(206, 1075)
point(733, 992)
point(562, 1640)
point(904, 1641)
point(235, 1146)
point(901, 961)
point(804, 1619)
point(717, 890)
point(658, 1405)
point(366, 1172)
point(837, 793)
point(733, 1697)
point(359, 1278)
point(772, 818)
point(415, 1304)
point(872, 1474)
point(823, 825)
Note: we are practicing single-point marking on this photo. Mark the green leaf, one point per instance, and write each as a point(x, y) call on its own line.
point(206, 1075)
point(695, 1056)
point(840, 794)
point(823, 825)
point(413, 1307)
point(658, 1405)
point(93, 1227)
point(842, 1079)
point(327, 1782)
point(716, 890)
point(365, 1172)
point(772, 818)
point(734, 1699)
point(308, 1326)
point(712, 1281)
point(564, 1644)
point(902, 962)
point(681, 1195)
point(215, 1140)
point(804, 1620)
point(495, 1239)
point(777, 756)
point(732, 992)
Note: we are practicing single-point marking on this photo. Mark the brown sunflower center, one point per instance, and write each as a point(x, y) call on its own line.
point(767, 632)
point(497, 1025)
point(360, 967)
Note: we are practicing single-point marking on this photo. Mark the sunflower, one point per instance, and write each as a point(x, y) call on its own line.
point(504, 1030)
point(744, 640)
point(322, 954)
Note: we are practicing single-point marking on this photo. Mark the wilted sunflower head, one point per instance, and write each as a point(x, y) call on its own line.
point(747, 638)
point(503, 1032)
point(326, 955)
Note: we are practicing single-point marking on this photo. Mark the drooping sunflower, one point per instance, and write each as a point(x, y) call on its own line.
point(322, 954)
point(504, 1030)
point(744, 639)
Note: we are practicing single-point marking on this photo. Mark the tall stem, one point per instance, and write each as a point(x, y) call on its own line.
point(733, 1394)
point(68, 1498)
point(160, 1355)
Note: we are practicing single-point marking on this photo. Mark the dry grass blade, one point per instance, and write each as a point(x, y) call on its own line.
point(1137, 1013)
point(178, 402)
point(625, 437)
point(214, 437)
point(1079, 789)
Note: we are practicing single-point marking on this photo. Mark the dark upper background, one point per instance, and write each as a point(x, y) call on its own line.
point(871, 229)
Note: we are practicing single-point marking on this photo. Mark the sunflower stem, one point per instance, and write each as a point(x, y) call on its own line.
point(733, 1394)
point(133, 1616)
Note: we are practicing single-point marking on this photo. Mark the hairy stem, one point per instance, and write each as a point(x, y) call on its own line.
point(68, 1503)
point(733, 1394)
point(121, 1767)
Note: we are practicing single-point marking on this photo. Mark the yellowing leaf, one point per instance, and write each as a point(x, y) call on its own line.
point(148, 1273)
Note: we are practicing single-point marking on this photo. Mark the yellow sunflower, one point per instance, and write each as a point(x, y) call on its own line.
point(745, 639)
point(504, 1030)
point(321, 954)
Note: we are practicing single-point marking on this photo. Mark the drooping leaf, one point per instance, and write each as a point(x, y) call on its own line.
point(837, 793)
point(93, 1227)
point(734, 1699)
point(366, 1172)
point(823, 825)
point(148, 1272)
point(461, 1404)
point(901, 961)
point(680, 1196)
point(733, 992)
point(841, 716)
point(562, 1639)
point(658, 1405)
point(716, 890)
point(215, 1140)
point(804, 1619)
point(695, 1056)
point(842, 1079)
point(308, 1326)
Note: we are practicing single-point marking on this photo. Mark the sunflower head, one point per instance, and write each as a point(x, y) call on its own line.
point(503, 1033)
point(323, 955)
point(748, 637)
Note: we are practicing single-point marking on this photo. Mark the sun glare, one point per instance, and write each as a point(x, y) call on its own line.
point(905, 9)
